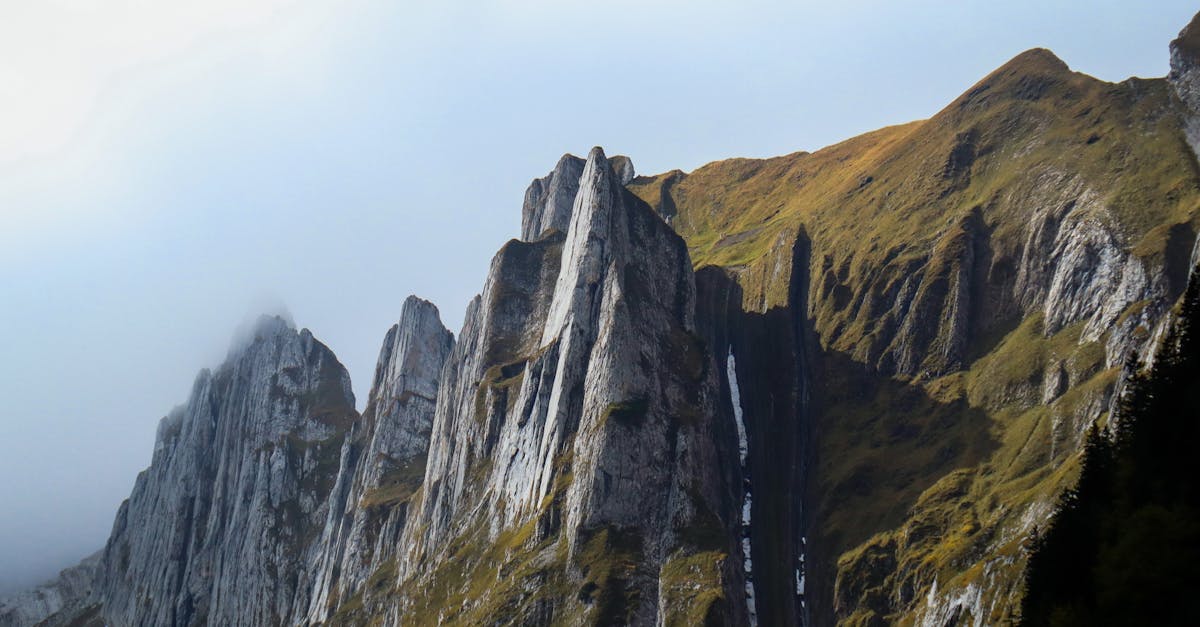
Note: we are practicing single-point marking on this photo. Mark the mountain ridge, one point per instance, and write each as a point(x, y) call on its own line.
point(833, 386)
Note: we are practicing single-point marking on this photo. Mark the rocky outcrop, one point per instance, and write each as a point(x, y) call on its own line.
point(220, 527)
point(1074, 266)
point(573, 429)
point(382, 461)
point(623, 169)
point(268, 500)
point(69, 592)
point(1185, 78)
point(572, 424)
point(549, 199)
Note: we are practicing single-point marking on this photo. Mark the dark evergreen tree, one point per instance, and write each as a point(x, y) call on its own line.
point(1123, 547)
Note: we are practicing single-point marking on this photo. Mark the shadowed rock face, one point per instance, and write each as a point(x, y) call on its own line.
point(973, 286)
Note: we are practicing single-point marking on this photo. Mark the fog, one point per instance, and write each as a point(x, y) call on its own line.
point(168, 170)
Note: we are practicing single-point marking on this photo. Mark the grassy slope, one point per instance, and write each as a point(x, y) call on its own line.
point(932, 476)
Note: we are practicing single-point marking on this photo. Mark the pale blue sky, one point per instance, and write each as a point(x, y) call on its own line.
point(166, 171)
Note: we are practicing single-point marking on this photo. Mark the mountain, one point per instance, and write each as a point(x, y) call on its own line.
point(839, 387)
point(965, 290)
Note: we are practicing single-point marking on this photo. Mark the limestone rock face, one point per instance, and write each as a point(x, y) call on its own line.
point(1074, 266)
point(548, 200)
point(219, 528)
point(856, 410)
point(68, 592)
point(573, 422)
point(382, 460)
point(268, 499)
point(406, 385)
point(1185, 77)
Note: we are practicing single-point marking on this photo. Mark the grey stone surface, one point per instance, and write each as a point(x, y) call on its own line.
point(68, 592)
point(597, 329)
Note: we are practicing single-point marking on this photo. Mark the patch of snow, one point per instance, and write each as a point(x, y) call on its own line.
point(743, 450)
point(736, 396)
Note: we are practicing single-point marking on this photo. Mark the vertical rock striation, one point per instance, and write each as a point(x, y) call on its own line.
point(614, 439)
point(382, 461)
point(758, 314)
point(549, 199)
point(571, 471)
point(268, 500)
point(219, 529)
point(1185, 78)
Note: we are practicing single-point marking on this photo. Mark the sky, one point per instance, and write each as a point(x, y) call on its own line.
point(170, 169)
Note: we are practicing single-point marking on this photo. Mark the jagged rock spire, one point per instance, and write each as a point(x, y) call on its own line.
point(406, 375)
point(239, 474)
point(382, 461)
point(1185, 78)
point(560, 408)
point(548, 200)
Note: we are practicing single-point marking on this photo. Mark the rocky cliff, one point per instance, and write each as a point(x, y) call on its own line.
point(382, 461)
point(219, 528)
point(68, 593)
point(268, 499)
point(573, 476)
point(839, 387)
point(1185, 78)
point(959, 295)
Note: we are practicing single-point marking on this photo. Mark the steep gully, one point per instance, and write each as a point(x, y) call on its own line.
point(765, 369)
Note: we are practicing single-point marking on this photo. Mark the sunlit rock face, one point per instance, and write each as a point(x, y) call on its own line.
point(268, 499)
point(548, 200)
point(220, 527)
point(382, 460)
point(576, 414)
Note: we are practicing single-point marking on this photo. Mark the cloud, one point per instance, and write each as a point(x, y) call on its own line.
point(58, 58)
point(84, 81)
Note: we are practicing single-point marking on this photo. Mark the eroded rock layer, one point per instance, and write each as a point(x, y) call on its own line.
point(572, 473)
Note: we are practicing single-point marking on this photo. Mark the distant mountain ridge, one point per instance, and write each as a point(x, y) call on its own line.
point(837, 387)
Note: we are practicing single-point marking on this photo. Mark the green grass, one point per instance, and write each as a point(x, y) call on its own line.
point(894, 203)
point(692, 588)
point(958, 522)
